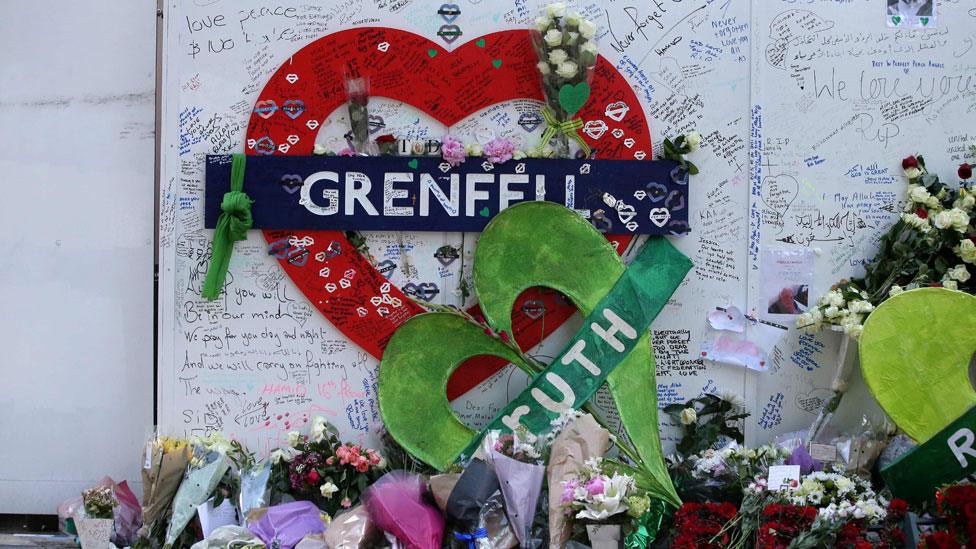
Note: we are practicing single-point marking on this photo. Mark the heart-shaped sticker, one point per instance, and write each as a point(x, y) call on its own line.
point(616, 111)
point(265, 108)
point(660, 216)
point(731, 320)
point(449, 33)
point(896, 19)
point(595, 128)
point(449, 12)
point(293, 108)
point(573, 97)
point(291, 183)
point(924, 20)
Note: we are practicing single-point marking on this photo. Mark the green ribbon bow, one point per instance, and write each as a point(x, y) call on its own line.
point(569, 128)
point(232, 225)
point(647, 526)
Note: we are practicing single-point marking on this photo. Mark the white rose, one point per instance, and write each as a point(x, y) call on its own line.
point(587, 29)
point(544, 68)
point(693, 139)
point(318, 429)
point(557, 56)
point(574, 19)
point(542, 23)
point(283, 454)
point(553, 37)
point(915, 221)
point(912, 173)
point(918, 193)
point(942, 220)
point(556, 9)
point(567, 69)
point(959, 219)
point(835, 298)
point(328, 489)
point(572, 38)
point(967, 251)
point(964, 202)
point(294, 438)
point(895, 290)
point(688, 416)
point(934, 203)
point(589, 47)
point(950, 284)
point(473, 149)
point(960, 273)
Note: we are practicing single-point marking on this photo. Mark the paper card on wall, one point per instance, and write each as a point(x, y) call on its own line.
point(783, 477)
point(786, 275)
point(910, 13)
point(823, 452)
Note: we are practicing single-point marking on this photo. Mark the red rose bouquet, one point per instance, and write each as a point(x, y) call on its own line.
point(781, 523)
point(702, 525)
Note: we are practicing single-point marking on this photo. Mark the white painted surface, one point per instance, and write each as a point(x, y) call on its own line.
point(76, 236)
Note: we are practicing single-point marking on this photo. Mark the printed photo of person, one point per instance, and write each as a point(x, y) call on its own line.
point(791, 300)
point(911, 8)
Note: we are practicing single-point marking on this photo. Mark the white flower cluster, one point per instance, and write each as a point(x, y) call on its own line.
point(715, 462)
point(833, 308)
point(564, 420)
point(564, 35)
point(925, 211)
point(840, 498)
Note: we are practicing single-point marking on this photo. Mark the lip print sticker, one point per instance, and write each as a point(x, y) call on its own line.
point(293, 108)
point(660, 216)
point(291, 78)
point(435, 87)
point(595, 128)
point(265, 108)
point(426, 291)
point(629, 142)
point(264, 146)
point(449, 33)
point(617, 110)
point(530, 121)
point(449, 12)
point(617, 132)
point(291, 183)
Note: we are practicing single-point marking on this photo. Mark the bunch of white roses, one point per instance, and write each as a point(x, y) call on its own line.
point(568, 43)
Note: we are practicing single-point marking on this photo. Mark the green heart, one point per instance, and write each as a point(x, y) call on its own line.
point(915, 352)
point(480, 43)
point(896, 19)
point(924, 20)
point(413, 163)
point(572, 98)
point(497, 63)
point(425, 350)
point(485, 212)
point(432, 53)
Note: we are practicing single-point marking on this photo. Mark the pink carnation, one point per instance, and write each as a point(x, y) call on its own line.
point(595, 486)
point(452, 150)
point(346, 503)
point(348, 151)
point(499, 149)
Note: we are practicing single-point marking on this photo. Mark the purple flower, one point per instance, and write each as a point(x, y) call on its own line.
point(453, 150)
point(568, 491)
point(595, 486)
point(499, 149)
point(807, 464)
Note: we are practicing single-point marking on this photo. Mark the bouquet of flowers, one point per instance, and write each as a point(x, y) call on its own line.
point(207, 467)
point(957, 503)
point(566, 45)
point(165, 461)
point(932, 244)
point(781, 524)
point(704, 420)
point(99, 502)
point(596, 496)
point(357, 93)
point(839, 497)
point(702, 526)
point(320, 468)
point(521, 471)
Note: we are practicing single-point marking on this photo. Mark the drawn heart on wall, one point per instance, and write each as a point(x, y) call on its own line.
point(497, 67)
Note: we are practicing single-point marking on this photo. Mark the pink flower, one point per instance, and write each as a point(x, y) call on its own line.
point(363, 466)
point(499, 149)
point(330, 461)
point(348, 151)
point(595, 486)
point(312, 477)
point(568, 491)
point(452, 150)
point(345, 503)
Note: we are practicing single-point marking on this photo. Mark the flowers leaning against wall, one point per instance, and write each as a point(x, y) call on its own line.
point(933, 243)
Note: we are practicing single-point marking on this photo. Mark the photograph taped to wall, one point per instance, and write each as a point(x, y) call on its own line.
point(911, 13)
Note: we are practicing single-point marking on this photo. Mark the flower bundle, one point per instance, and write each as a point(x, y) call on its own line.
point(702, 525)
point(957, 503)
point(781, 523)
point(840, 498)
point(704, 419)
point(357, 94)
point(99, 502)
point(322, 469)
point(595, 495)
point(166, 459)
point(566, 46)
point(207, 467)
point(933, 243)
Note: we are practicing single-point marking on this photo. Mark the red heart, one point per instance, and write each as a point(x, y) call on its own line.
point(448, 86)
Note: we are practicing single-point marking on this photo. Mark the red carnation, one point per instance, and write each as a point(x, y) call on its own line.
point(386, 138)
point(922, 212)
point(909, 162)
point(312, 477)
point(965, 171)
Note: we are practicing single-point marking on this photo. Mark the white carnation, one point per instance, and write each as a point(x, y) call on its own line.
point(895, 290)
point(835, 298)
point(689, 416)
point(693, 139)
point(294, 438)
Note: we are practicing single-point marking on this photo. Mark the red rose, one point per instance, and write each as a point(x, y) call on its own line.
point(965, 171)
point(909, 162)
point(386, 138)
point(922, 212)
point(312, 477)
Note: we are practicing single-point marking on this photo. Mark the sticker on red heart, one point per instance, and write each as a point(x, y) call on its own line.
point(595, 128)
point(432, 84)
point(616, 111)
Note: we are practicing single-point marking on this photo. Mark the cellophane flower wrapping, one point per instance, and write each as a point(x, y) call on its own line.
point(476, 485)
point(580, 440)
point(565, 43)
point(397, 505)
point(254, 487)
point(224, 537)
point(353, 529)
point(517, 460)
point(206, 469)
point(165, 460)
point(283, 526)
